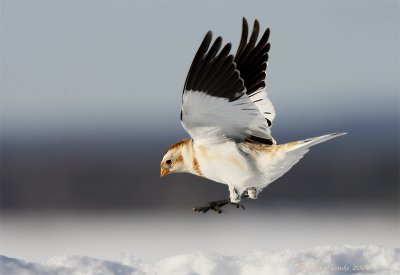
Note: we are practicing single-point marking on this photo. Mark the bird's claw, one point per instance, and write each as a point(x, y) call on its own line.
point(216, 206)
point(209, 206)
point(237, 205)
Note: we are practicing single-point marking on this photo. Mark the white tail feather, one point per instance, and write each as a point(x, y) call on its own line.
point(292, 154)
point(307, 143)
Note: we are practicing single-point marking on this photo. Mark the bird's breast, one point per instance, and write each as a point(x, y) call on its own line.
point(222, 163)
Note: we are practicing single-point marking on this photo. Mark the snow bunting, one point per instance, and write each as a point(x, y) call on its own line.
point(227, 113)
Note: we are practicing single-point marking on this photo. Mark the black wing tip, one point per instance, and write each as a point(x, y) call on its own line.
point(213, 71)
point(256, 24)
point(205, 44)
point(252, 53)
point(244, 22)
point(256, 21)
point(208, 37)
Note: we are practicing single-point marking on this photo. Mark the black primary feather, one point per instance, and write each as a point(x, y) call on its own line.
point(251, 57)
point(214, 72)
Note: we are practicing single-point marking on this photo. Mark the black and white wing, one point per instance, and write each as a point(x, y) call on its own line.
point(215, 105)
point(251, 61)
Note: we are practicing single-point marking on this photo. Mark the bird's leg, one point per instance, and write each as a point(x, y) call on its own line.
point(216, 205)
point(252, 192)
point(242, 196)
point(234, 194)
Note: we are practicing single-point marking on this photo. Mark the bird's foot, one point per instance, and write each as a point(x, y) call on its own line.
point(238, 205)
point(216, 206)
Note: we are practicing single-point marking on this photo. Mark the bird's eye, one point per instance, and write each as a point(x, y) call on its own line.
point(168, 161)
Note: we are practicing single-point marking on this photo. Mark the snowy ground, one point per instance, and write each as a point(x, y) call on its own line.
point(274, 241)
point(323, 260)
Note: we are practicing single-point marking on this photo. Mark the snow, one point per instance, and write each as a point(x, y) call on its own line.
point(373, 259)
point(155, 236)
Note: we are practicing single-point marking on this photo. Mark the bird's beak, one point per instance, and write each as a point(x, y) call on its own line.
point(164, 172)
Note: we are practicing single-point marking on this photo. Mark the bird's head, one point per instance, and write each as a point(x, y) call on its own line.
point(173, 160)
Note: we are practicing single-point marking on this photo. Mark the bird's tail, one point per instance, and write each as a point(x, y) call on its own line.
point(278, 159)
point(307, 143)
point(291, 153)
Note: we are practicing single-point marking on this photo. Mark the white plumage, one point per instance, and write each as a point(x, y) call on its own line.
point(210, 118)
point(227, 113)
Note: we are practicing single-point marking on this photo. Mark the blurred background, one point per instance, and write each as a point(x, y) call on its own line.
point(90, 102)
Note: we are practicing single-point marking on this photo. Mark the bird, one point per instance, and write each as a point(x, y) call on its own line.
point(228, 115)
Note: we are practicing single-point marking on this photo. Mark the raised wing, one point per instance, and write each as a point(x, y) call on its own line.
point(251, 61)
point(215, 105)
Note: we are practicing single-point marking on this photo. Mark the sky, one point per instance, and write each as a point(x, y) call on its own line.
point(118, 66)
point(93, 85)
point(93, 70)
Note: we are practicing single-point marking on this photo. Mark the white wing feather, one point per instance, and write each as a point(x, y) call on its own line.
point(264, 105)
point(209, 118)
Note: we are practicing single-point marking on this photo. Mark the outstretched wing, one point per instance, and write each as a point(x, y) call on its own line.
point(215, 106)
point(251, 61)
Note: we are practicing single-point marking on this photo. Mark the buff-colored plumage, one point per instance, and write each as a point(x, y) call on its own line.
point(241, 165)
point(227, 113)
